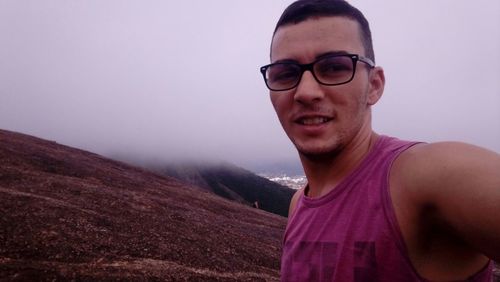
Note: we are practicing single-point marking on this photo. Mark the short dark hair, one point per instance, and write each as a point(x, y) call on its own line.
point(302, 10)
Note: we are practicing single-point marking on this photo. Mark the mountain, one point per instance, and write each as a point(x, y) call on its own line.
point(233, 183)
point(68, 214)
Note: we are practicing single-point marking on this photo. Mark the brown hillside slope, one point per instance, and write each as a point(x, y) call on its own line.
point(68, 214)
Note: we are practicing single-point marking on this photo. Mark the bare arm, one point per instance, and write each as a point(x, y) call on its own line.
point(462, 184)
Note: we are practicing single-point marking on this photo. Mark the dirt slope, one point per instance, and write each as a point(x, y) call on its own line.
point(69, 214)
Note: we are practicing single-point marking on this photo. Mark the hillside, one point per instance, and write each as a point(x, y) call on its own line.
point(67, 214)
point(233, 183)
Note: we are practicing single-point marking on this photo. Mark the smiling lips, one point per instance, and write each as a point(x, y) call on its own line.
point(312, 120)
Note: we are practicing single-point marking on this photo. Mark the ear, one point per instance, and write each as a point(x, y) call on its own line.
point(376, 87)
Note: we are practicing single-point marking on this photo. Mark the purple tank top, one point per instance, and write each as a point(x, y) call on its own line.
point(351, 234)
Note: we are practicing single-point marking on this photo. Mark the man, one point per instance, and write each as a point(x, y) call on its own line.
point(375, 208)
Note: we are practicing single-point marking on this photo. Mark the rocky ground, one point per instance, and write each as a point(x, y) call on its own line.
point(66, 214)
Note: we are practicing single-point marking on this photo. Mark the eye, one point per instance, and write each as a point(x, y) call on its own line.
point(334, 66)
point(283, 73)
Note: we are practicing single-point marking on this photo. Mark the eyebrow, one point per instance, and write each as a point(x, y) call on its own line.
point(320, 56)
point(332, 53)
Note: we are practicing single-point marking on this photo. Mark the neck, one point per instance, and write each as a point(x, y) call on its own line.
point(326, 171)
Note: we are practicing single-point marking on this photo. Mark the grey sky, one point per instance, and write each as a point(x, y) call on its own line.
point(174, 79)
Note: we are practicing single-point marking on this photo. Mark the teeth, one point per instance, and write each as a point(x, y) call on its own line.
point(313, 121)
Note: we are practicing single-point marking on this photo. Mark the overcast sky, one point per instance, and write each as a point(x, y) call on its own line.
point(174, 79)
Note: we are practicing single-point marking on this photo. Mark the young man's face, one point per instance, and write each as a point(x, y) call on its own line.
point(322, 119)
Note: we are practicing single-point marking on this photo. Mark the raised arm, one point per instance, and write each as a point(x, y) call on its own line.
point(459, 184)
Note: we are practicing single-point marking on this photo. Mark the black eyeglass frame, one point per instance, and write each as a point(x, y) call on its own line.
point(310, 67)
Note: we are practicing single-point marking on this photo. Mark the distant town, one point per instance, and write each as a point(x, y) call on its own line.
point(294, 182)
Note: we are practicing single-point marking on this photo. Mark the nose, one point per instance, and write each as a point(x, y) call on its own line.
point(309, 90)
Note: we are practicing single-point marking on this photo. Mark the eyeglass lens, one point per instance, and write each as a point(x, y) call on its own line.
point(330, 70)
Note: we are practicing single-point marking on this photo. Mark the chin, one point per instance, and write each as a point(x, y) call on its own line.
point(318, 151)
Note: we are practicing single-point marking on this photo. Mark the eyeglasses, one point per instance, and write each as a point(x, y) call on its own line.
point(329, 70)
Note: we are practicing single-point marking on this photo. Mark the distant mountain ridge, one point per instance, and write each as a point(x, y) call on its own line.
point(68, 214)
point(232, 182)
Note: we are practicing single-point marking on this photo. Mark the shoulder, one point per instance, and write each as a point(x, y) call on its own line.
point(426, 167)
point(293, 202)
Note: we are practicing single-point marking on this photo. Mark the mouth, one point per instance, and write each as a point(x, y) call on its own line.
point(316, 120)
